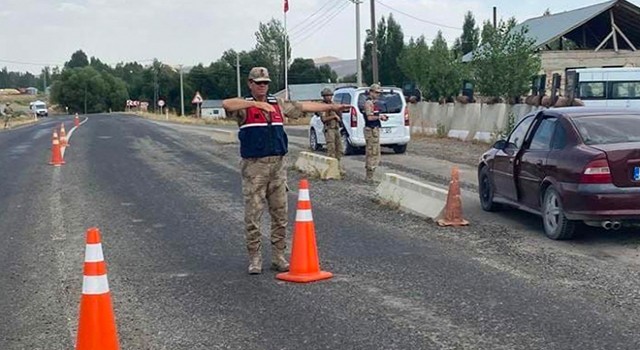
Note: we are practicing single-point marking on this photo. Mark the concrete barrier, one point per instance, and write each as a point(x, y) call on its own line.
point(224, 136)
point(318, 165)
point(412, 196)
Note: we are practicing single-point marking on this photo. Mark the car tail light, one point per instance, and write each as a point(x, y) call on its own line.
point(596, 172)
point(406, 117)
point(354, 117)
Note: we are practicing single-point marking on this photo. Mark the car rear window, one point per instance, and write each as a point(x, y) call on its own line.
point(601, 130)
point(389, 102)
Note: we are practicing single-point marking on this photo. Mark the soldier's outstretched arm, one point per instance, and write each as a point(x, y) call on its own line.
point(236, 104)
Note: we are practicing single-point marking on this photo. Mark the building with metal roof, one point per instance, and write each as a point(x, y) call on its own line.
point(606, 34)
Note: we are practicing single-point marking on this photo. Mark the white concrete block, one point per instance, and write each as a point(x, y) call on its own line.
point(412, 196)
point(224, 136)
point(318, 165)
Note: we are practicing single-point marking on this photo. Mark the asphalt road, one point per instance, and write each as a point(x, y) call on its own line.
point(169, 205)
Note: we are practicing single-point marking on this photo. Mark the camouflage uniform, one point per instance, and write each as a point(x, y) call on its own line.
point(6, 112)
point(332, 133)
point(264, 180)
point(372, 138)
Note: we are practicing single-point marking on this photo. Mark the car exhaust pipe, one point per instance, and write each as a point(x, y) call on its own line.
point(616, 225)
point(607, 225)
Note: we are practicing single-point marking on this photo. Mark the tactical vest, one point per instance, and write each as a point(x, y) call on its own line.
point(376, 112)
point(331, 124)
point(261, 136)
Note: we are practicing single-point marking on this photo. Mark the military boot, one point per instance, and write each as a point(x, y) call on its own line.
point(278, 261)
point(255, 263)
point(369, 177)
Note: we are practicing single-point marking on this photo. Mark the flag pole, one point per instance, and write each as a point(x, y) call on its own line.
point(286, 61)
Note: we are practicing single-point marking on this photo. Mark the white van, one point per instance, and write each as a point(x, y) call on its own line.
point(395, 132)
point(608, 87)
point(39, 108)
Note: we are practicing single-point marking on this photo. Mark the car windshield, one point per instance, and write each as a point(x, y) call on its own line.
point(389, 102)
point(601, 130)
point(40, 107)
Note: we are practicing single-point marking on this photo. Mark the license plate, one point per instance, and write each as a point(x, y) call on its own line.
point(636, 173)
point(387, 130)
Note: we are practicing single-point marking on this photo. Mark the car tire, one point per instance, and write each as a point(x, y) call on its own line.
point(486, 191)
point(348, 148)
point(400, 149)
point(556, 225)
point(313, 140)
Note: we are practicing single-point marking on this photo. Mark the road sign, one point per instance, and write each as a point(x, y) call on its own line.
point(197, 98)
point(161, 103)
point(129, 103)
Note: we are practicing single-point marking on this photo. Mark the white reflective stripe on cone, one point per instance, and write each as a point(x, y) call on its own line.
point(93, 253)
point(95, 285)
point(303, 195)
point(304, 215)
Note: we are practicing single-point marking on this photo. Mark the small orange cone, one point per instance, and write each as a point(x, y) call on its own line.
point(305, 266)
point(56, 153)
point(76, 121)
point(453, 209)
point(63, 136)
point(97, 325)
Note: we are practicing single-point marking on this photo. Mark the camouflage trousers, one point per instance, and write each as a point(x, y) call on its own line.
point(334, 143)
point(264, 181)
point(372, 159)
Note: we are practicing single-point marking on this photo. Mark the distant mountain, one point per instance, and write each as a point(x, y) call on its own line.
point(341, 67)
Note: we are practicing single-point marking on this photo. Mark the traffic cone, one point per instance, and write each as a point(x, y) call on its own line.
point(97, 325)
point(305, 266)
point(76, 121)
point(63, 136)
point(56, 153)
point(453, 209)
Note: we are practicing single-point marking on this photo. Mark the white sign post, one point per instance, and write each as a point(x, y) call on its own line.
point(197, 99)
point(161, 104)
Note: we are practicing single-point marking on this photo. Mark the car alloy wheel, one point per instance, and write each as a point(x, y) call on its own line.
point(556, 225)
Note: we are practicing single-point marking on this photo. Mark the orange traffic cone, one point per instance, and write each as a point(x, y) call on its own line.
point(63, 136)
point(56, 153)
point(97, 326)
point(453, 209)
point(305, 266)
point(76, 121)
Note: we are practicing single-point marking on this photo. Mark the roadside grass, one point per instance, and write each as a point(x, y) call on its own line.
point(17, 121)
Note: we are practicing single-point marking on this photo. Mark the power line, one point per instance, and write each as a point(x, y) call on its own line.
point(30, 63)
point(313, 25)
point(315, 31)
point(416, 18)
point(335, 2)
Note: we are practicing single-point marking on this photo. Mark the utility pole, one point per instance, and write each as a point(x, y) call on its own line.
point(238, 74)
point(181, 93)
point(374, 50)
point(44, 75)
point(358, 45)
point(495, 17)
point(155, 88)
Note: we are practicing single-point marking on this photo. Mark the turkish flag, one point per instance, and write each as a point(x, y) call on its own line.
point(286, 5)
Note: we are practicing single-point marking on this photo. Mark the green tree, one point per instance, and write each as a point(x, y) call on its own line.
point(78, 60)
point(470, 38)
point(390, 42)
point(270, 39)
point(446, 71)
point(506, 62)
point(80, 87)
point(414, 63)
point(305, 71)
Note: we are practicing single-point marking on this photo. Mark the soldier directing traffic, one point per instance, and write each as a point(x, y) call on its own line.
point(372, 130)
point(332, 122)
point(263, 145)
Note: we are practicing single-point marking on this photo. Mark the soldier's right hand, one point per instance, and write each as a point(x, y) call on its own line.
point(267, 107)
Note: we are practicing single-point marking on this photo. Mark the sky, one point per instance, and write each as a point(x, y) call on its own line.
point(35, 33)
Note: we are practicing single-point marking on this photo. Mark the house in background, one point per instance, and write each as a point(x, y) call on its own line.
point(601, 35)
point(212, 109)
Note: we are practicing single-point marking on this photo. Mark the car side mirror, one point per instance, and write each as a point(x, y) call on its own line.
point(500, 144)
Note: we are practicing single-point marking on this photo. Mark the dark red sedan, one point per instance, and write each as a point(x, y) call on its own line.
point(569, 165)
